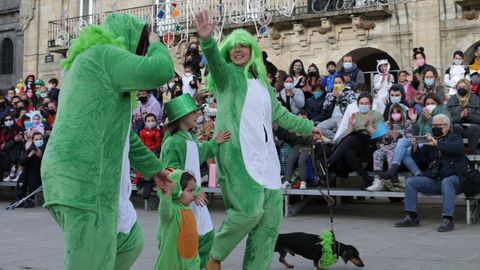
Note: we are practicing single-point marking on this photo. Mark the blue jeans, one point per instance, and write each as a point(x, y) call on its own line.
point(403, 153)
point(448, 187)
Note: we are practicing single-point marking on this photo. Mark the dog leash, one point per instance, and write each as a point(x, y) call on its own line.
point(327, 197)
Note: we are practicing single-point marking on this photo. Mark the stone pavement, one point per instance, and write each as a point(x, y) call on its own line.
point(31, 240)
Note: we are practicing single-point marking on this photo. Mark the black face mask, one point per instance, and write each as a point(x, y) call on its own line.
point(312, 73)
point(142, 99)
point(437, 132)
point(462, 92)
point(194, 50)
point(51, 111)
point(331, 71)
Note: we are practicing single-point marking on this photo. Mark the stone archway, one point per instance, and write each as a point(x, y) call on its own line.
point(469, 53)
point(366, 60)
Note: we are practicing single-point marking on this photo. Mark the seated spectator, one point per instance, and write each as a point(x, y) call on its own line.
point(29, 84)
point(147, 104)
point(447, 165)
point(297, 71)
point(455, 72)
point(383, 80)
point(293, 98)
point(279, 80)
point(14, 102)
point(53, 90)
point(151, 135)
point(350, 69)
point(314, 105)
point(351, 109)
point(33, 98)
point(299, 155)
point(26, 100)
point(357, 144)
point(398, 127)
point(8, 131)
point(327, 80)
point(464, 107)
point(50, 115)
point(31, 160)
point(396, 95)
point(422, 125)
point(35, 125)
point(420, 61)
point(335, 105)
point(10, 94)
point(404, 79)
point(475, 71)
point(4, 106)
point(431, 83)
point(313, 78)
point(190, 82)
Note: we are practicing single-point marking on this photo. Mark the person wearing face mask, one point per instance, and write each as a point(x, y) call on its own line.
point(404, 79)
point(356, 145)
point(292, 97)
point(335, 106)
point(193, 59)
point(8, 131)
point(313, 78)
point(4, 106)
point(398, 127)
point(475, 71)
point(327, 80)
point(447, 165)
point(350, 69)
point(35, 125)
point(455, 72)
point(314, 105)
point(464, 107)
point(297, 71)
point(420, 62)
point(50, 115)
point(53, 91)
point(30, 83)
point(147, 103)
point(31, 160)
point(430, 83)
point(187, 80)
point(396, 95)
point(408, 151)
point(383, 80)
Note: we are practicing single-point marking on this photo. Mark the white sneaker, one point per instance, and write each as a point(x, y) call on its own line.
point(303, 185)
point(6, 179)
point(286, 185)
point(377, 185)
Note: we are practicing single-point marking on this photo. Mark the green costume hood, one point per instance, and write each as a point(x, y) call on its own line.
point(177, 189)
point(121, 30)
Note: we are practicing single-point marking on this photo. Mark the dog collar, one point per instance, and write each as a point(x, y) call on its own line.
point(326, 241)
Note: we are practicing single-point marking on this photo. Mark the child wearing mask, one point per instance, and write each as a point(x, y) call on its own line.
point(181, 150)
point(30, 160)
point(404, 79)
point(177, 232)
point(35, 125)
point(398, 127)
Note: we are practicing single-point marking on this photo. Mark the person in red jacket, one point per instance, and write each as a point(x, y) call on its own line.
point(151, 137)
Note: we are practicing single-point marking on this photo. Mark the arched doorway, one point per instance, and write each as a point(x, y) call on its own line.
point(469, 54)
point(366, 60)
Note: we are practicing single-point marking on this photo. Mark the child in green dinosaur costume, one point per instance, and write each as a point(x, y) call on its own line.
point(248, 164)
point(178, 229)
point(86, 166)
point(181, 150)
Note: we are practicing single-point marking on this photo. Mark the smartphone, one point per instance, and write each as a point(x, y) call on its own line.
point(421, 139)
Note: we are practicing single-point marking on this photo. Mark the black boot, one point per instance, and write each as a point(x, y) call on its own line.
point(392, 171)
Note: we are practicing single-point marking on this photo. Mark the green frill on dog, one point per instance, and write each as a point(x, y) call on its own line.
point(328, 256)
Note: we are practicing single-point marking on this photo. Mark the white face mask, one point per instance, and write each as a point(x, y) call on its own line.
point(457, 62)
point(430, 108)
point(150, 125)
point(171, 85)
point(288, 85)
point(188, 74)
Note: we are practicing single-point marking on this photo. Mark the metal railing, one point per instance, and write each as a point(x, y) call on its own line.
point(176, 17)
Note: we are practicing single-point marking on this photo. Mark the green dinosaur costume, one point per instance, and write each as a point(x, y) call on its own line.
point(178, 231)
point(86, 166)
point(182, 151)
point(248, 165)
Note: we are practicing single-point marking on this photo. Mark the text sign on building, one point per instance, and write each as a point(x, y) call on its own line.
point(49, 58)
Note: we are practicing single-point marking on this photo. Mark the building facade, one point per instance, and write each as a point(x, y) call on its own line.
point(314, 31)
point(11, 44)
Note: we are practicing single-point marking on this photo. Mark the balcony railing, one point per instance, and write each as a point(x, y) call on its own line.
point(176, 17)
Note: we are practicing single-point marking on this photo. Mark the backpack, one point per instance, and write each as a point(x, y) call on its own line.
point(471, 183)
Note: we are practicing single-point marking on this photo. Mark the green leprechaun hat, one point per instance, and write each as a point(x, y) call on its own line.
point(179, 107)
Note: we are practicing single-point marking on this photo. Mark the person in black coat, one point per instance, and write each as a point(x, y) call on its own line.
point(314, 104)
point(31, 160)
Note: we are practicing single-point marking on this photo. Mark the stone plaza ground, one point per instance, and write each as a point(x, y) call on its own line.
point(31, 240)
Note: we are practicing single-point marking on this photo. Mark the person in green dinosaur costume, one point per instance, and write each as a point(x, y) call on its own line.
point(181, 150)
point(86, 165)
point(178, 229)
point(248, 165)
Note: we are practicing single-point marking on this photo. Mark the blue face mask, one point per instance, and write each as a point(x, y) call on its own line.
point(317, 95)
point(288, 85)
point(364, 108)
point(395, 100)
point(347, 65)
point(429, 82)
point(38, 144)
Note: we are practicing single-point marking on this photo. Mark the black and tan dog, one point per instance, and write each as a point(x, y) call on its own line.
point(307, 246)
